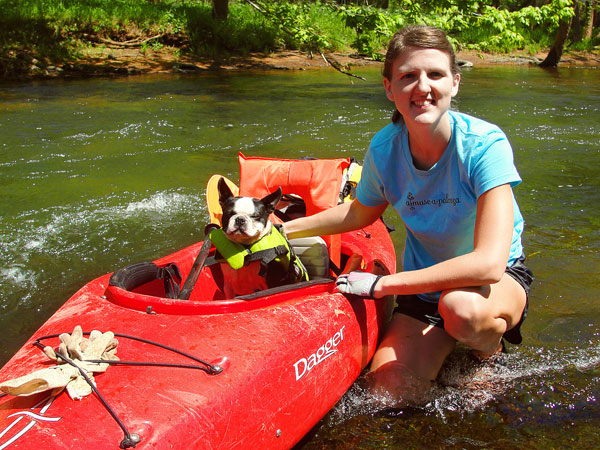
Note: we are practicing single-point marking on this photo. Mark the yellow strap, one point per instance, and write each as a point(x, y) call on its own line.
point(212, 198)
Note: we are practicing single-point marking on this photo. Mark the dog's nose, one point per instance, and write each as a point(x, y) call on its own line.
point(239, 221)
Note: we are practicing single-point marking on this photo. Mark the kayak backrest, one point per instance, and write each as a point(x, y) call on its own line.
point(317, 181)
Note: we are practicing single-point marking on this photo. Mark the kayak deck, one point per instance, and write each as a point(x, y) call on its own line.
point(287, 356)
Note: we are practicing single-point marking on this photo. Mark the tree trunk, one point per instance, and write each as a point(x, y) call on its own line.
point(220, 9)
point(576, 30)
point(589, 25)
point(556, 51)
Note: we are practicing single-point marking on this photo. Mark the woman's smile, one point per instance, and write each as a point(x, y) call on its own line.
point(424, 103)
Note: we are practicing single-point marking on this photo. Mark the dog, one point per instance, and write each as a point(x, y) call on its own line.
point(245, 221)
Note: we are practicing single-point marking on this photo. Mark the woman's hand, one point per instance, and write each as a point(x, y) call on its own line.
point(358, 283)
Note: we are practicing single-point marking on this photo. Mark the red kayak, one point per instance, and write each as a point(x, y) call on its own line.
point(257, 371)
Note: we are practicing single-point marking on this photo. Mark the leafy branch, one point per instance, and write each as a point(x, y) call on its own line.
point(294, 19)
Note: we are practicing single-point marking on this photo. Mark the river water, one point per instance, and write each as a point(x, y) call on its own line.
point(96, 174)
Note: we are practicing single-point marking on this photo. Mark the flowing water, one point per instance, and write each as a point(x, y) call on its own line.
point(97, 174)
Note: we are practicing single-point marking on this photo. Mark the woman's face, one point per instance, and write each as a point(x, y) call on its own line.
point(422, 85)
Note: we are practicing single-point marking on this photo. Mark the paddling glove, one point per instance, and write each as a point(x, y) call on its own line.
point(358, 283)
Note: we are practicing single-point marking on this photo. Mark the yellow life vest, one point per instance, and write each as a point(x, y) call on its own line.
point(279, 264)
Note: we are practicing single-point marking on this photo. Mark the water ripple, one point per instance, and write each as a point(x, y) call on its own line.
point(95, 234)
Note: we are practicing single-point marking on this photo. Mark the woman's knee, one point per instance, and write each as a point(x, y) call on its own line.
point(411, 343)
point(463, 311)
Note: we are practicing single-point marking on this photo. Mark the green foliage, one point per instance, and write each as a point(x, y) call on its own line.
point(412, 10)
point(474, 25)
point(373, 28)
point(244, 31)
point(57, 29)
point(296, 25)
point(503, 30)
point(586, 44)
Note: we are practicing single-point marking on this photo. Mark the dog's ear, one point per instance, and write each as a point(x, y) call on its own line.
point(272, 199)
point(224, 191)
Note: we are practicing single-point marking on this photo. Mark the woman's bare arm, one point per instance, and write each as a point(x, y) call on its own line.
point(339, 219)
point(484, 265)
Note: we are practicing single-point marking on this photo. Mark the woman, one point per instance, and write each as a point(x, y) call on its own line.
point(450, 177)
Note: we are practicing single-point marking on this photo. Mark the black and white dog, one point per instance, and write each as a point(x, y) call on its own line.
point(245, 221)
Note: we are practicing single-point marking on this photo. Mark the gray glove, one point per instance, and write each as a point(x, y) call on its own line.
point(358, 283)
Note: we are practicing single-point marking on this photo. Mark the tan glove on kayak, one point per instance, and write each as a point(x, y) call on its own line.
point(80, 350)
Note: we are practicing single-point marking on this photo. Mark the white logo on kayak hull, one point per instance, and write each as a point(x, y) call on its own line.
point(329, 348)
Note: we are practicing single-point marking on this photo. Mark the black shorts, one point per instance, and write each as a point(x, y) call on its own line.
point(427, 312)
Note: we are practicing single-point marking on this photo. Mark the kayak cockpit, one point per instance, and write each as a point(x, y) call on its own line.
point(160, 305)
point(311, 185)
point(153, 286)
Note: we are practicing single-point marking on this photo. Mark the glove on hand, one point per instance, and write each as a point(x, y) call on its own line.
point(358, 283)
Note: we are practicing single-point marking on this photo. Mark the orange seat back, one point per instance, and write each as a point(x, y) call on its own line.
point(317, 181)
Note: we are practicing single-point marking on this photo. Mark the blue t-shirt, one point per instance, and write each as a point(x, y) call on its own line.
point(438, 206)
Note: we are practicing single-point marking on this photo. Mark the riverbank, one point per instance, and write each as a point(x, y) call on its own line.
point(124, 61)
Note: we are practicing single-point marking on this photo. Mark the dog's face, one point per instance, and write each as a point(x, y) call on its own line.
point(245, 219)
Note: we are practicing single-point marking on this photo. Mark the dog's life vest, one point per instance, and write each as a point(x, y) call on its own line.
point(279, 264)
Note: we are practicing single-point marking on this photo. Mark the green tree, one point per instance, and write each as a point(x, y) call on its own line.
point(564, 14)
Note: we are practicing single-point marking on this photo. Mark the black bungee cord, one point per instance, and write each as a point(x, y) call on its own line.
point(130, 440)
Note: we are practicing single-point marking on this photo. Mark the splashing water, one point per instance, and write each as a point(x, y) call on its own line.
point(90, 235)
point(530, 387)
